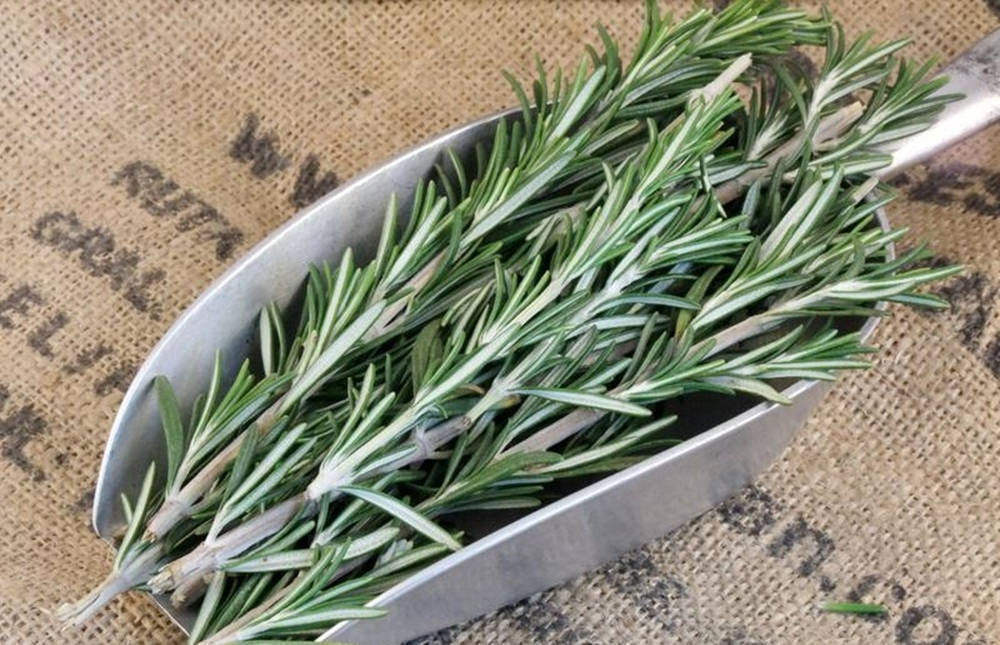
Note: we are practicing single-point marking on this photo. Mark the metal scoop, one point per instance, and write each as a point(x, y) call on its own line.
point(732, 441)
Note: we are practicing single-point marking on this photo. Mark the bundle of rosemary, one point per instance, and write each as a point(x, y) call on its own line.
point(640, 232)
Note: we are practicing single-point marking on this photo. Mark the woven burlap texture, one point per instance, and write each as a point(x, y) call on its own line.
point(147, 145)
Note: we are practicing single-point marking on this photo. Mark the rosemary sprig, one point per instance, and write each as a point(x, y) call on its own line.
point(595, 114)
point(625, 210)
point(523, 325)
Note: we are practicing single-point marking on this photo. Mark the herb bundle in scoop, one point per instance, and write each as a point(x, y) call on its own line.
point(695, 219)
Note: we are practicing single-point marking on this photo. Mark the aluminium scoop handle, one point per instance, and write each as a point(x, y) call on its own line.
point(975, 74)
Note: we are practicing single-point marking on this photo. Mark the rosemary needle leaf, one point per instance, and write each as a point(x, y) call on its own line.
point(587, 400)
point(208, 606)
point(404, 513)
point(305, 619)
point(173, 429)
point(854, 608)
point(137, 518)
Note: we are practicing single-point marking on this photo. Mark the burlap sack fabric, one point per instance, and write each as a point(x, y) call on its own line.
point(144, 146)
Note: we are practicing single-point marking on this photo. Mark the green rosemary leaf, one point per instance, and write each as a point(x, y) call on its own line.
point(281, 561)
point(408, 559)
point(245, 594)
point(529, 189)
point(266, 338)
point(208, 606)
point(751, 386)
point(854, 608)
point(138, 516)
point(241, 468)
point(658, 300)
point(426, 353)
point(335, 352)
point(173, 429)
point(404, 514)
point(215, 385)
point(505, 503)
point(926, 300)
point(590, 458)
point(587, 400)
point(306, 619)
point(263, 478)
point(282, 540)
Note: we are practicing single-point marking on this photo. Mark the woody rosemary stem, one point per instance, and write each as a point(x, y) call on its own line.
point(207, 556)
point(177, 506)
point(136, 572)
point(830, 128)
